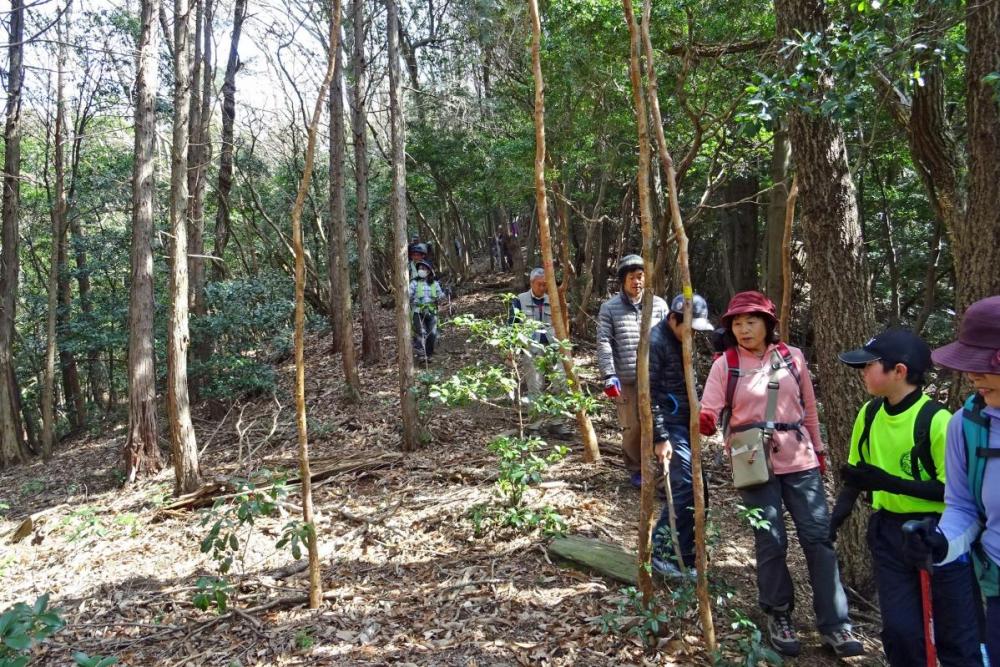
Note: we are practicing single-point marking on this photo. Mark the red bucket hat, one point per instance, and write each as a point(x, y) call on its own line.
point(745, 303)
point(977, 349)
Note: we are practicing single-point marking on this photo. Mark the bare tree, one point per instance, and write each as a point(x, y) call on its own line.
point(142, 455)
point(315, 583)
point(371, 348)
point(222, 216)
point(58, 216)
point(560, 319)
point(397, 199)
point(340, 279)
point(182, 439)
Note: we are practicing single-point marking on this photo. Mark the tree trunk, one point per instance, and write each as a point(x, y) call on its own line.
point(371, 346)
point(340, 278)
point(58, 225)
point(781, 154)
point(183, 447)
point(397, 199)
point(223, 214)
point(785, 316)
point(315, 582)
point(142, 454)
point(198, 157)
point(977, 244)
point(687, 342)
point(740, 231)
point(591, 451)
point(835, 264)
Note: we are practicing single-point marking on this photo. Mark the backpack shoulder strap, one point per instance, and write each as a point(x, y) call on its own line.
point(733, 375)
point(786, 357)
point(976, 433)
point(871, 411)
point(922, 453)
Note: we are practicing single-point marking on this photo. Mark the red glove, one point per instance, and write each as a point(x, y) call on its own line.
point(821, 457)
point(706, 423)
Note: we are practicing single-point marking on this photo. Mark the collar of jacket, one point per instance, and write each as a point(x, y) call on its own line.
point(627, 300)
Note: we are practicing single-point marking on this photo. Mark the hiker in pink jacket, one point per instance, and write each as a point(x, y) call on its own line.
point(737, 390)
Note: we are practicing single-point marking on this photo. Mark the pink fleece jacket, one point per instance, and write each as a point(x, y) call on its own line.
point(795, 452)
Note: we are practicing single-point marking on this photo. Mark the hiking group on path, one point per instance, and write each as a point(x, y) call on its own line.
point(933, 479)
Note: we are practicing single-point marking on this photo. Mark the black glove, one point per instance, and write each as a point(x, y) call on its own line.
point(842, 509)
point(863, 477)
point(923, 543)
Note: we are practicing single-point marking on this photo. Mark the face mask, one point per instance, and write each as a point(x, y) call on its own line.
point(422, 273)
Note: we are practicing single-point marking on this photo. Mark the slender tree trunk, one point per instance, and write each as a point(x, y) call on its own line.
point(781, 154)
point(315, 582)
point(58, 228)
point(223, 223)
point(340, 277)
point(740, 230)
point(977, 244)
point(784, 320)
point(687, 343)
point(397, 199)
point(142, 454)
point(198, 157)
point(646, 495)
point(371, 347)
point(182, 439)
point(76, 404)
point(835, 264)
point(591, 451)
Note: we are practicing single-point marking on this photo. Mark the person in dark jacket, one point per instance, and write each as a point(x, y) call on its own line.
point(671, 434)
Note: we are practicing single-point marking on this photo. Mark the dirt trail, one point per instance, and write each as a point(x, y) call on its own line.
point(407, 580)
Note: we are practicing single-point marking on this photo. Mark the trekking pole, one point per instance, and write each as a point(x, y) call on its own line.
point(925, 600)
point(672, 515)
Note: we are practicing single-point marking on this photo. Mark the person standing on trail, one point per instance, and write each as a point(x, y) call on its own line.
point(970, 523)
point(671, 431)
point(617, 346)
point(533, 305)
point(425, 293)
point(762, 389)
point(418, 253)
point(898, 454)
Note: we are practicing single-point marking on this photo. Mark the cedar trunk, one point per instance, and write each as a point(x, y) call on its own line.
point(371, 348)
point(183, 447)
point(223, 214)
point(142, 455)
point(340, 280)
point(781, 154)
point(397, 198)
point(835, 266)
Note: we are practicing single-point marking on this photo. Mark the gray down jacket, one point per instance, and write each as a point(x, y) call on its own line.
point(618, 335)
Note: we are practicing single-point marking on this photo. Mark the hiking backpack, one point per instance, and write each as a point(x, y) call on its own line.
point(976, 436)
point(921, 452)
point(732, 355)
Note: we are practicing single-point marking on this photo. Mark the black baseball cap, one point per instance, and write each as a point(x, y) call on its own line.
point(893, 346)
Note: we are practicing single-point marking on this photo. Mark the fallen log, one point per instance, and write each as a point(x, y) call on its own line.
point(608, 559)
point(221, 489)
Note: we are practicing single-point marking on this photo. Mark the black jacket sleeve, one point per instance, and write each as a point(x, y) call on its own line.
point(656, 369)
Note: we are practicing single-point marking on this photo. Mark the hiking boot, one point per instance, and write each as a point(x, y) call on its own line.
point(666, 568)
point(843, 643)
point(782, 634)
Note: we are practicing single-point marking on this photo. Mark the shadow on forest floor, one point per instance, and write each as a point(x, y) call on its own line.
point(407, 580)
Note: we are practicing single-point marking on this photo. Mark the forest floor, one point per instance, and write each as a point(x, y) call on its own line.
point(407, 582)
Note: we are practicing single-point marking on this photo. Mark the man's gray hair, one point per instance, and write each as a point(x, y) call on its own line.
point(536, 273)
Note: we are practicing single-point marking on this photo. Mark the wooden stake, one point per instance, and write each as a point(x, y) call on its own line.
point(670, 176)
point(591, 452)
point(315, 583)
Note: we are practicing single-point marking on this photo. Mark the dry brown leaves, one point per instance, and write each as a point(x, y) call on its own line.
point(406, 582)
